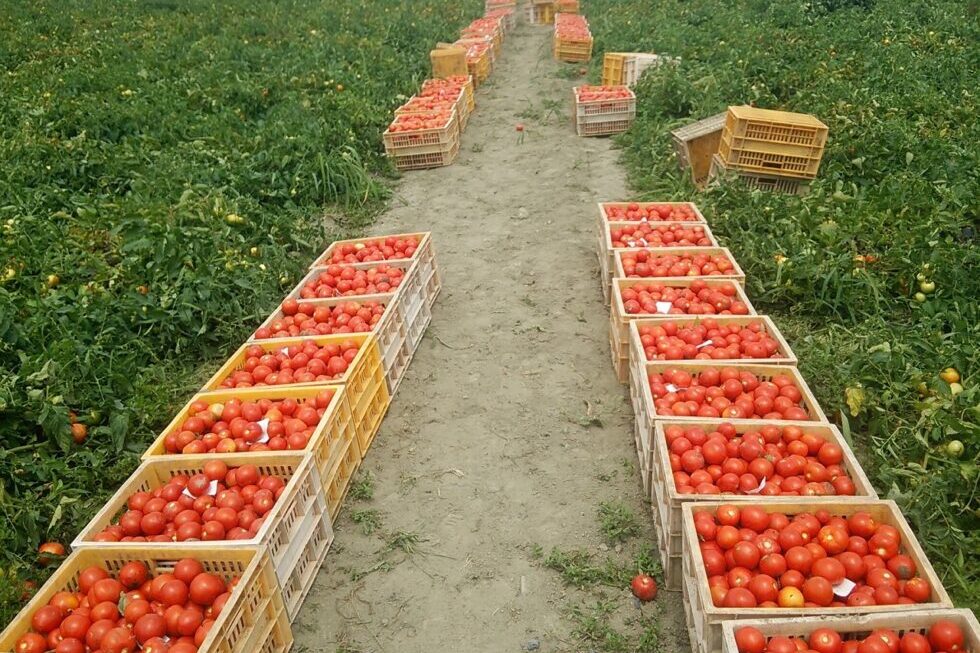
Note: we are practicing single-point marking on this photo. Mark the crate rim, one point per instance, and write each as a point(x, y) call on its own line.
point(738, 273)
point(697, 211)
point(618, 283)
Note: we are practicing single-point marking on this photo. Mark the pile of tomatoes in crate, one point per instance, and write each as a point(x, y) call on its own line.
point(420, 121)
point(248, 425)
point(726, 392)
point(371, 250)
point(697, 298)
point(646, 234)
point(347, 281)
point(594, 93)
point(130, 611)
point(311, 320)
point(707, 340)
point(651, 212)
point(217, 503)
point(572, 27)
point(770, 460)
point(755, 558)
point(645, 263)
point(305, 362)
point(942, 636)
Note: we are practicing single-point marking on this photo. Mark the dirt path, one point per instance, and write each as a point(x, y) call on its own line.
point(509, 429)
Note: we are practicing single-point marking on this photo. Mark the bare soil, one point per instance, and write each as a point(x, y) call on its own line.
point(509, 429)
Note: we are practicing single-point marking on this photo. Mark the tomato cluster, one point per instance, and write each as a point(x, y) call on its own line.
point(754, 558)
point(651, 212)
point(238, 426)
point(770, 461)
point(307, 319)
point(216, 504)
point(305, 362)
point(593, 93)
point(726, 392)
point(707, 340)
point(645, 263)
point(572, 26)
point(429, 103)
point(408, 122)
point(944, 636)
point(698, 298)
point(648, 234)
point(449, 87)
point(133, 611)
point(373, 249)
point(343, 280)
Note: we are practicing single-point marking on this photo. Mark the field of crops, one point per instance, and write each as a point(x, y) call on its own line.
point(893, 212)
point(165, 166)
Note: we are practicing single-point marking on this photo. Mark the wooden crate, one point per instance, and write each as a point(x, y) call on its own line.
point(540, 13)
point(705, 620)
point(667, 502)
point(696, 143)
point(605, 250)
point(857, 627)
point(645, 409)
point(567, 6)
point(767, 182)
point(572, 50)
point(610, 212)
point(424, 249)
point(613, 65)
point(619, 319)
point(772, 142)
point(391, 330)
point(336, 427)
point(253, 619)
point(736, 275)
point(298, 520)
point(603, 117)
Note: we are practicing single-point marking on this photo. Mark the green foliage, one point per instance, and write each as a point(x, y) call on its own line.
point(617, 521)
point(838, 269)
point(169, 163)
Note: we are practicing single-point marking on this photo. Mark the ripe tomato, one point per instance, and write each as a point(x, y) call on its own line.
point(817, 589)
point(133, 574)
point(945, 635)
point(187, 569)
point(31, 643)
point(825, 640)
point(917, 589)
point(644, 587)
point(205, 588)
point(790, 597)
point(914, 643)
point(750, 640)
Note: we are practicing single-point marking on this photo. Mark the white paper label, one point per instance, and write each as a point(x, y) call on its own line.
point(844, 588)
point(643, 219)
point(664, 307)
point(671, 387)
point(212, 490)
point(758, 489)
point(631, 243)
point(264, 425)
point(706, 343)
point(643, 241)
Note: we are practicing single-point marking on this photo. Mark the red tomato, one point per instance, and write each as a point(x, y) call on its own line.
point(945, 635)
point(825, 640)
point(644, 587)
point(750, 640)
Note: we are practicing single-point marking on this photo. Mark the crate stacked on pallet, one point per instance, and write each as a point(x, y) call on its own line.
point(603, 110)
point(771, 150)
point(720, 408)
point(540, 12)
point(573, 40)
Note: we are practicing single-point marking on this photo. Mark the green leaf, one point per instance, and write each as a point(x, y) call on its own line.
point(54, 422)
point(118, 429)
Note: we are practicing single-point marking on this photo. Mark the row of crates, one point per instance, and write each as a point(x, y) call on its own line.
point(427, 129)
point(647, 245)
point(275, 565)
point(770, 150)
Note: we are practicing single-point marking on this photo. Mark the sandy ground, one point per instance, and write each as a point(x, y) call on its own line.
point(509, 429)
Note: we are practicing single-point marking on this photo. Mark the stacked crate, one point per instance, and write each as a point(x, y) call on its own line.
point(655, 344)
point(573, 40)
point(697, 144)
point(603, 110)
point(772, 150)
